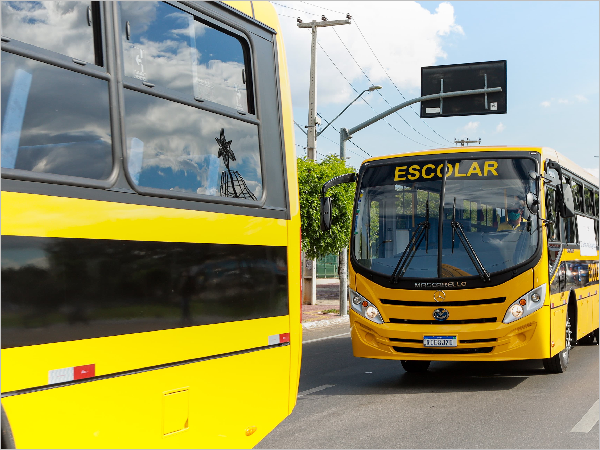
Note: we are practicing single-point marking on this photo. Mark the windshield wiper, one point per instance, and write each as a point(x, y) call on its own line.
point(457, 228)
point(411, 248)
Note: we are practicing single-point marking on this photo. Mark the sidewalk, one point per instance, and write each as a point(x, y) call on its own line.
point(328, 298)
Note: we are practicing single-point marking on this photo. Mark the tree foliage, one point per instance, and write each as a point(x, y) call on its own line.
point(311, 178)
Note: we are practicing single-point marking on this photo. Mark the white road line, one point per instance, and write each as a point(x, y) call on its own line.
point(588, 421)
point(317, 389)
point(328, 337)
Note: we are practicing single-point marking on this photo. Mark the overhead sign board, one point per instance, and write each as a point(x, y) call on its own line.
point(464, 77)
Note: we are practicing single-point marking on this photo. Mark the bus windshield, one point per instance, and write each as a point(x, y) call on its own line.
point(486, 226)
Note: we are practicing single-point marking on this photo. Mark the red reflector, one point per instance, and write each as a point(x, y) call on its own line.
point(284, 337)
point(87, 371)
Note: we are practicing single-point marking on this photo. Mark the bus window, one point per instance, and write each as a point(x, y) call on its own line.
point(62, 27)
point(170, 48)
point(595, 205)
point(551, 227)
point(568, 235)
point(588, 196)
point(198, 153)
point(578, 196)
point(54, 120)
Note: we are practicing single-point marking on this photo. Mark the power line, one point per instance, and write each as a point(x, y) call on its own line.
point(385, 71)
point(365, 152)
point(367, 77)
point(316, 6)
point(394, 84)
point(362, 98)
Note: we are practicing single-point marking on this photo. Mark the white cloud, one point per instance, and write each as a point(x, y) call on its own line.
point(581, 98)
point(471, 126)
point(546, 104)
point(563, 101)
point(500, 128)
point(417, 43)
point(594, 172)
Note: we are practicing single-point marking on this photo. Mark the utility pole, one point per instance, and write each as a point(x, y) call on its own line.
point(310, 266)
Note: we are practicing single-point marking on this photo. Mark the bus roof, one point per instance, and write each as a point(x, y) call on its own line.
point(547, 153)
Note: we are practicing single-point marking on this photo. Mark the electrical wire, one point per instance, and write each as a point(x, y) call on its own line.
point(381, 65)
point(380, 94)
point(326, 54)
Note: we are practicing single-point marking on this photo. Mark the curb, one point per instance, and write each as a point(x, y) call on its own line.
point(326, 323)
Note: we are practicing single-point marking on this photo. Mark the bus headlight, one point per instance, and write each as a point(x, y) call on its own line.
point(526, 304)
point(364, 307)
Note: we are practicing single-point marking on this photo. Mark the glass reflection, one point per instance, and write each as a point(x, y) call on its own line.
point(176, 147)
point(54, 120)
point(168, 47)
point(57, 290)
point(61, 27)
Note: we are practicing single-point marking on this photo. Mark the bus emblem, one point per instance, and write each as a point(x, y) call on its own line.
point(441, 314)
point(439, 296)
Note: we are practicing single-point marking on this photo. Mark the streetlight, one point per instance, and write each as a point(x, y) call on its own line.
point(371, 89)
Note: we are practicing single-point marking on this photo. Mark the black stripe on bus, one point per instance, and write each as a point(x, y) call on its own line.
point(443, 351)
point(483, 301)
point(445, 322)
point(141, 370)
point(58, 289)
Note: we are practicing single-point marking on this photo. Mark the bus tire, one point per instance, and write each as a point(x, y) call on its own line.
point(415, 366)
point(588, 339)
point(558, 363)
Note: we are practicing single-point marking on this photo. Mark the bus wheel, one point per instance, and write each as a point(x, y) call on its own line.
point(558, 363)
point(415, 366)
point(588, 339)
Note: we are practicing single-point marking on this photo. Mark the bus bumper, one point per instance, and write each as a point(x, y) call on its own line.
point(523, 339)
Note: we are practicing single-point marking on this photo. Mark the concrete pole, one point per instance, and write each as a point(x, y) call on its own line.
point(311, 144)
point(310, 266)
point(343, 256)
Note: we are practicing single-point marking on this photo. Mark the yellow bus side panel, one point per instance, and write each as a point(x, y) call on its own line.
point(216, 404)
point(46, 216)
point(265, 12)
point(26, 367)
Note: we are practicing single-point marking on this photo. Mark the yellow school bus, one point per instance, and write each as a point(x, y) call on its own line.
point(473, 255)
point(150, 225)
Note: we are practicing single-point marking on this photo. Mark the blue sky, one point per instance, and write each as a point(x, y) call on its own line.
point(552, 53)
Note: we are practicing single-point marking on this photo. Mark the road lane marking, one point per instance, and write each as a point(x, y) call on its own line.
point(328, 337)
point(317, 389)
point(588, 421)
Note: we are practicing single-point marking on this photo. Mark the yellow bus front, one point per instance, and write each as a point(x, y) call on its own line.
point(453, 267)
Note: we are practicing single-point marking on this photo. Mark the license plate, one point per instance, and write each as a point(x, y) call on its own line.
point(440, 341)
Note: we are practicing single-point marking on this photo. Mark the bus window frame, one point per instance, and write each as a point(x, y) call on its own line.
point(111, 72)
point(103, 72)
point(449, 283)
point(206, 105)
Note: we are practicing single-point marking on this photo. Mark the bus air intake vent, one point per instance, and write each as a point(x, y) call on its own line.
point(443, 351)
point(445, 322)
point(483, 301)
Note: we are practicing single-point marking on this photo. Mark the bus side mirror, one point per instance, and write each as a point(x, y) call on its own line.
point(532, 203)
point(567, 207)
point(325, 213)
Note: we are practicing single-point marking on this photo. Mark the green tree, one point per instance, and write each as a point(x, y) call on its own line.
point(311, 178)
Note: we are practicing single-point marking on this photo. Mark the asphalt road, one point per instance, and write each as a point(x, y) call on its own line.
point(348, 402)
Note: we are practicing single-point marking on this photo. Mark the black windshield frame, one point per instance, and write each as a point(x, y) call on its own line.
point(475, 281)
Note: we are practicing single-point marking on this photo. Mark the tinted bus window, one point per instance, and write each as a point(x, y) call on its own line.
point(197, 153)
point(589, 201)
point(577, 195)
point(62, 27)
point(54, 120)
point(168, 47)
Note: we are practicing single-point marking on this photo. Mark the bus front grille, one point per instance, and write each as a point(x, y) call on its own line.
point(443, 351)
point(483, 301)
point(445, 322)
